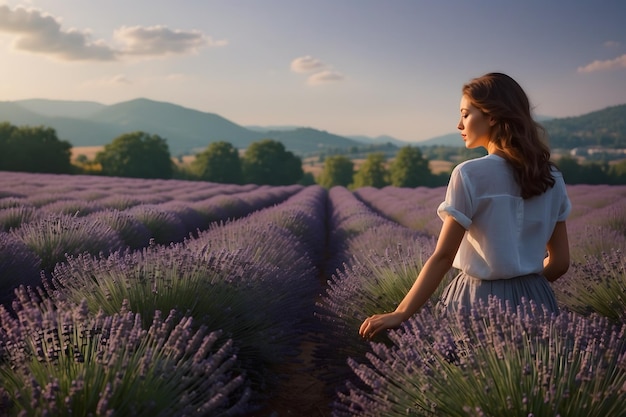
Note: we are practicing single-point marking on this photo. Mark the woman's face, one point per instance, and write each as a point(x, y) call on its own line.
point(474, 125)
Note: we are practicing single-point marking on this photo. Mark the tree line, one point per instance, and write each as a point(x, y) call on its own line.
point(265, 162)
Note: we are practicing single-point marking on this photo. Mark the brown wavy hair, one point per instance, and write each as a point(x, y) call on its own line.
point(515, 132)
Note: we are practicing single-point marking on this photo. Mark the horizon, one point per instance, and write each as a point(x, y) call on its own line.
point(540, 118)
point(315, 64)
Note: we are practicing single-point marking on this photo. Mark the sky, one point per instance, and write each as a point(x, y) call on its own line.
point(349, 67)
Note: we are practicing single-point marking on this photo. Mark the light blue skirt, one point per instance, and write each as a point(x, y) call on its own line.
point(466, 291)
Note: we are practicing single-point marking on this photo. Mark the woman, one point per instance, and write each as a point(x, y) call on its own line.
point(501, 214)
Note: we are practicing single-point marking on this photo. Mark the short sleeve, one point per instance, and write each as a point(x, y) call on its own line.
point(458, 202)
point(566, 205)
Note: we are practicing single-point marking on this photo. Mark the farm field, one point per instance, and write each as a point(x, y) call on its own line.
point(88, 151)
point(166, 297)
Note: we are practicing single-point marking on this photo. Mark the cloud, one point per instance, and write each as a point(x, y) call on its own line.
point(606, 65)
point(324, 77)
point(611, 44)
point(322, 73)
point(38, 32)
point(306, 63)
point(119, 79)
point(115, 80)
point(160, 40)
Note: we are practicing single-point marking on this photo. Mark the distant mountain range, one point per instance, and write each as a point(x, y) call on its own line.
point(86, 123)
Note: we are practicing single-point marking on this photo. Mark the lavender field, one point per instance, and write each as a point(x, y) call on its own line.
point(131, 297)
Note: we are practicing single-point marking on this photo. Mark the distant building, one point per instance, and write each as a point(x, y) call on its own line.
point(595, 151)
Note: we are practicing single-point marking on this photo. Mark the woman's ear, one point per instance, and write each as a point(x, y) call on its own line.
point(492, 121)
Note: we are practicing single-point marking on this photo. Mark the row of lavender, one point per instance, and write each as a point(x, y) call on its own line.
point(249, 287)
point(45, 216)
point(198, 327)
point(493, 360)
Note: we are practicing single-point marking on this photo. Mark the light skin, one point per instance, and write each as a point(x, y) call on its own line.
point(475, 128)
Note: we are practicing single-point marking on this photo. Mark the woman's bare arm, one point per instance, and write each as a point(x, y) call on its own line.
point(426, 283)
point(557, 262)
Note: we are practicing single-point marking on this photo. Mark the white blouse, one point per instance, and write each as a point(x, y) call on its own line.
point(506, 235)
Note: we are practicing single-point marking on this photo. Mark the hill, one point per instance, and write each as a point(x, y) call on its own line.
point(380, 140)
point(186, 130)
point(450, 139)
point(62, 108)
point(605, 128)
point(85, 123)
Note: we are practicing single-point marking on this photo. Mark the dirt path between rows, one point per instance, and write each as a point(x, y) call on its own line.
point(303, 393)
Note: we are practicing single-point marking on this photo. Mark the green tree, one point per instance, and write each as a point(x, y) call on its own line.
point(617, 173)
point(268, 162)
point(410, 168)
point(6, 131)
point(588, 173)
point(137, 155)
point(33, 149)
point(338, 170)
point(571, 169)
point(219, 162)
point(307, 179)
point(372, 172)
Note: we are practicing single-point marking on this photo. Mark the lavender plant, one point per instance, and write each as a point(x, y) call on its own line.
point(256, 304)
point(612, 216)
point(414, 208)
point(191, 219)
point(48, 197)
point(303, 215)
point(119, 202)
point(53, 237)
point(288, 281)
point(10, 201)
point(200, 194)
point(86, 193)
point(142, 195)
point(18, 266)
point(593, 241)
point(264, 242)
point(347, 218)
point(59, 360)
point(616, 216)
point(14, 217)
point(165, 226)
point(494, 361)
point(8, 194)
point(210, 210)
point(132, 232)
point(72, 207)
point(597, 285)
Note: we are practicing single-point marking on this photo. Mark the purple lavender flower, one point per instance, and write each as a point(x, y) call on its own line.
point(54, 236)
point(597, 285)
point(72, 207)
point(110, 364)
point(165, 226)
point(14, 217)
point(493, 360)
point(133, 233)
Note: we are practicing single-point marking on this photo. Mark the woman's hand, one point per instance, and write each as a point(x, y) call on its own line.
point(379, 322)
point(426, 283)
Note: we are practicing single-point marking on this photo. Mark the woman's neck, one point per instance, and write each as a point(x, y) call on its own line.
point(492, 149)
